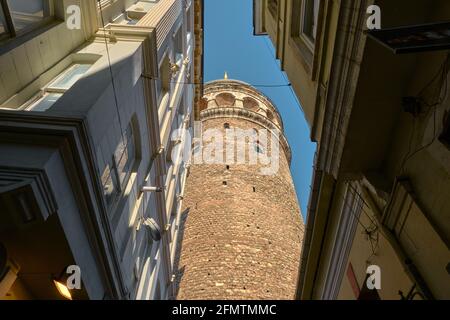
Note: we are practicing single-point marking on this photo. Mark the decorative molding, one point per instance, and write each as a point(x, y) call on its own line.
point(242, 87)
point(242, 113)
point(27, 192)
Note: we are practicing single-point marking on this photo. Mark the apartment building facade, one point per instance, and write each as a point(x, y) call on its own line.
point(378, 210)
point(91, 95)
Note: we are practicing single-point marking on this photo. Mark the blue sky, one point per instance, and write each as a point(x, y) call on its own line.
point(231, 46)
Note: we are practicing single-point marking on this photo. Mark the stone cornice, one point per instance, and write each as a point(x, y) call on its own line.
point(240, 86)
point(241, 113)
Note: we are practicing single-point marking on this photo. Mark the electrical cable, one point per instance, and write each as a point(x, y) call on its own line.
point(200, 83)
point(443, 72)
point(111, 71)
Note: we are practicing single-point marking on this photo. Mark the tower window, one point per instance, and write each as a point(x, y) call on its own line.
point(228, 167)
point(250, 104)
point(226, 125)
point(259, 149)
point(224, 183)
point(254, 189)
point(225, 100)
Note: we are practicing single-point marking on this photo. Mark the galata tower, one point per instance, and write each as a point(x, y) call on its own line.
point(241, 230)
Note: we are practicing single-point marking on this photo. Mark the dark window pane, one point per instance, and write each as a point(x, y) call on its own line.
point(25, 13)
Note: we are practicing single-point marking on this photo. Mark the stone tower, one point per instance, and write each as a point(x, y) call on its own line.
point(242, 230)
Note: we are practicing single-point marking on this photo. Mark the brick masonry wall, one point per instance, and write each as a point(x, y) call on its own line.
point(241, 240)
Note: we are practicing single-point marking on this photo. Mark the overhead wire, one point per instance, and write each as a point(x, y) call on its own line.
point(201, 83)
point(116, 100)
point(443, 73)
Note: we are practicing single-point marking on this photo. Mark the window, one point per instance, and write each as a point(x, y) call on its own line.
point(124, 155)
point(178, 46)
point(21, 16)
point(163, 82)
point(110, 185)
point(258, 147)
point(225, 99)
point(69, 77)
point(52, 92)
point(309, 17)
point(226, 126)
point(45, 101)
point(189, 23)
point(115, 175)
point(250, 104)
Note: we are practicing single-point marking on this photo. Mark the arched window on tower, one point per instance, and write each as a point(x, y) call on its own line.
point(225, 99)
point(251, 104)
point(269, 115)
point(258, 147)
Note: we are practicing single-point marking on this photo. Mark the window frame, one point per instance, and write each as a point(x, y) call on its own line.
point(310, 39)
point(164, 79)
point(12, 32)
point(116, 160)
point(48, 88)
point(116, 204)
point(178, 46)
point(308, 50)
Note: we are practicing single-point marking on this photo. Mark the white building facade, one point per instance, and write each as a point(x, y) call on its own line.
point(90, 94)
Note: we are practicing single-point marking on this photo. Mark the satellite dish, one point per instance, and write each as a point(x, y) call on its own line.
point(153, 228)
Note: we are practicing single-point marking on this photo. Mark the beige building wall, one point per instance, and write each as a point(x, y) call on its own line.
point(396, 162)
point(307, 67)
